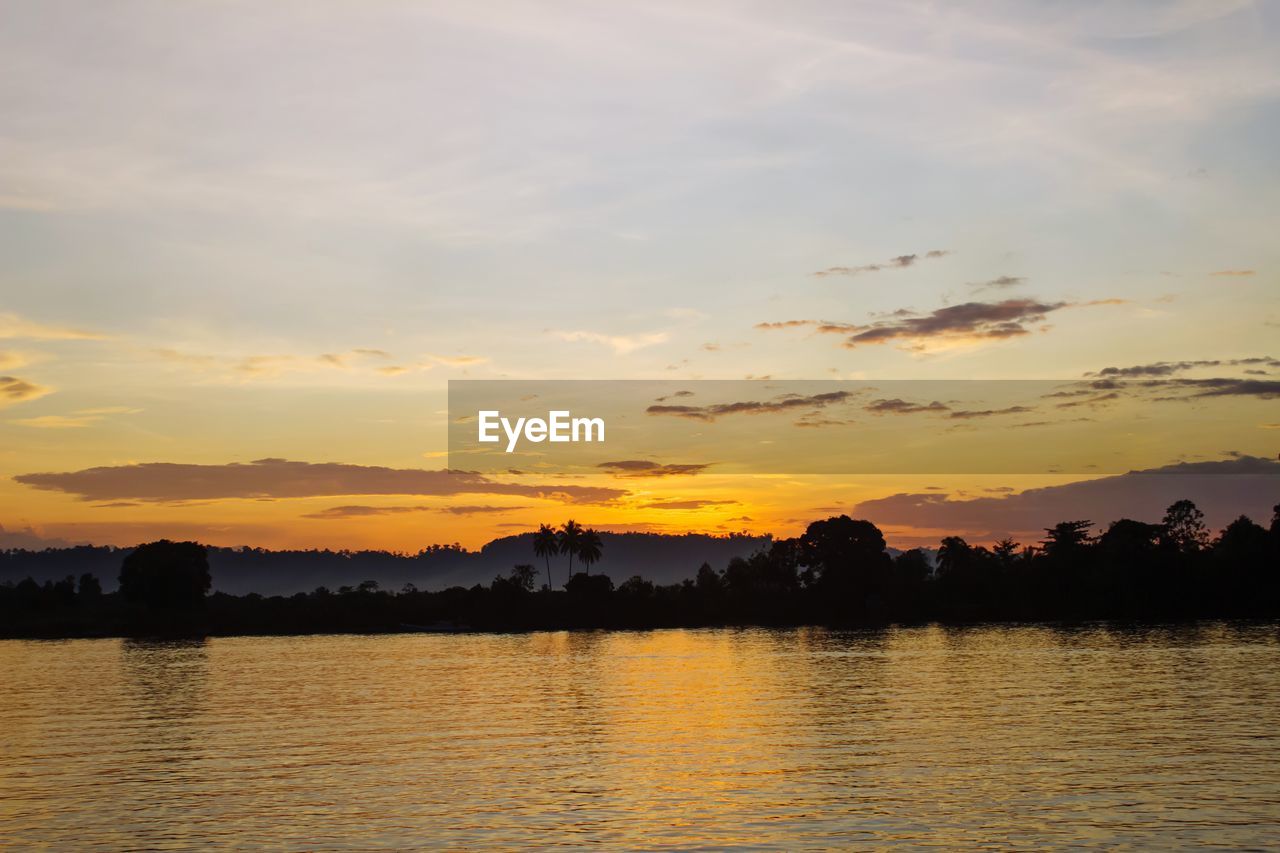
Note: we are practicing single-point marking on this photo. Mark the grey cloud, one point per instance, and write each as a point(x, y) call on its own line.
point(169, 482)
point(649, 468)
point(991, 320)
point(899, 262)
point(752, 407)
point(337, 512)
point(1265, 389)
point(981, 320)
point(902, 407)
point(1223, 489)
point(1169, 368)
point(1000, 282)
point(688, 504)
point(987, 413)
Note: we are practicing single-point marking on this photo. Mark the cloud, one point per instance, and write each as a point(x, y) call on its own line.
point(751, 407)
point(460, 360)
point(27, 538)
point(1233, 273)
point(170, 482)
point(335, 512)
point(181, 357)
point(1223, 489)
point(672, 396)
point(479, 510)
point(900, 262)
point(109, 410)
point(274, 365)
point(1170, 388)
point(1169, 368)
point(621, 344)
point(58, 421)
point(787, 324)
point(15, 390)
point(360, 511)
point(13, 326)
point(969, 321)
point(1051, 423)
point(999, 282)
point(271, 365)
point(76, 420)
point(811, 421)
point(687, 504)
point(1265, 389)
point(1092, 402)
point(987, 413)
point(902, 407)
point(648, 468)
point(11, 359)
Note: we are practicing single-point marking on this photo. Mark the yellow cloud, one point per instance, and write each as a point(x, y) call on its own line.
point(11, 359)
point(459, 360)
point(58, 421)
point(15, 390)
point(13, 326)
point(621, 344)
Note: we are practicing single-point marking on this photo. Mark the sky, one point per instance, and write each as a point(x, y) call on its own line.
point(237, 232)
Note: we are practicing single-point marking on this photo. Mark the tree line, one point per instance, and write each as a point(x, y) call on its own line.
point(838, 572)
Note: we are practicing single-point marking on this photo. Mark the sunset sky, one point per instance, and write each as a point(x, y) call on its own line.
point(236, 234)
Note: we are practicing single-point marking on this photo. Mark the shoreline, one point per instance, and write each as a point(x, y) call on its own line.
point(1055, 624)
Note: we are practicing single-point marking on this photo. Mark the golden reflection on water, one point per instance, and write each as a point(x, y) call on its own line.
point(665, 739)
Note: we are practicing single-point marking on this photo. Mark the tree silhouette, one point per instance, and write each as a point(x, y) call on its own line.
point(836, 573)
point(1128, 537)
point(545, 543)
point(590, 549)
point(1005, 551)
point(1184, 527)
point(90, 587)
point(954, 554)
point(166, 574)
point(911, 566)
point(846, 564)
point(1066, 538)
point(524, 576)
point(568, 538)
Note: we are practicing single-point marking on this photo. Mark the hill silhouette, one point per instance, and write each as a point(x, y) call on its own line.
point(663, 558)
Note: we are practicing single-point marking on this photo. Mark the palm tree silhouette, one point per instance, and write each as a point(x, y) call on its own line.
point(545, 544)
point(568, 539)
point(590, 549)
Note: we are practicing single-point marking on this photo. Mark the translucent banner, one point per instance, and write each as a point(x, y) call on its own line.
point(669, 427)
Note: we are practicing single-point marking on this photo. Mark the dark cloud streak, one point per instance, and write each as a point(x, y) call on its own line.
point(169, 482)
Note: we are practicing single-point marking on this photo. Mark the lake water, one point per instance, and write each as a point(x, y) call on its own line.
point(1023, 736)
